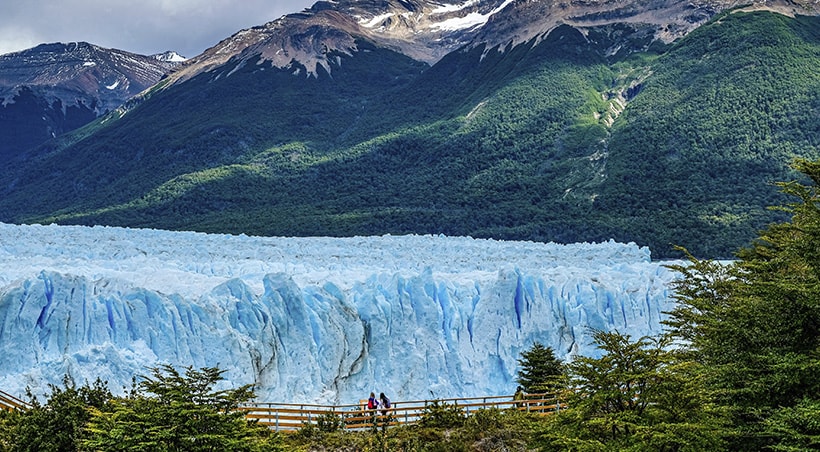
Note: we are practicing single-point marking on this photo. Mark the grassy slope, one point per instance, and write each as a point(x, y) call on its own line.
point(513, 147)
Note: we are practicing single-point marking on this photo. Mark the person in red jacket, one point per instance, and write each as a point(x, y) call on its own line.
point(372, 403)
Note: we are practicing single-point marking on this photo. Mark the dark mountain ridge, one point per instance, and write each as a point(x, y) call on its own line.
point(53, 88)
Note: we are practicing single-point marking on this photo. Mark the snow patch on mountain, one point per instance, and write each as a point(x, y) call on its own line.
point(170, 57)
point(449, 8)
point(376, 20)
point(470, 20)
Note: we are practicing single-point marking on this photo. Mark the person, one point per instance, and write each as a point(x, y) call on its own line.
point(372, 403)
point(384, 402)
point(518, 397)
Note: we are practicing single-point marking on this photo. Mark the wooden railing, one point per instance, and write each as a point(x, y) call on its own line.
point(291, 417)
point(9, 402)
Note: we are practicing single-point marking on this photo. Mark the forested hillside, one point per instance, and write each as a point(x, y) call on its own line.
point(724, 112)
point(559, 139)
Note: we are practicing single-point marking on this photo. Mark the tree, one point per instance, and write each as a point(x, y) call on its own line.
point(8, 423)
point(178, 412)
point(754, 326)
point(58, 424)
point(638, 396)
point(540, 369)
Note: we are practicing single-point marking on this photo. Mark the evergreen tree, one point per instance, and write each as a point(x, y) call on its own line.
point(177, 412)
point(8, 420)
point(637, 396)
point(754, 326)
point(540, 369)
point(56, 425)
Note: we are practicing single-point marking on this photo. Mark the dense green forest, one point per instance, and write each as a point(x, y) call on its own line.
point(736, 369)
point(558, 139)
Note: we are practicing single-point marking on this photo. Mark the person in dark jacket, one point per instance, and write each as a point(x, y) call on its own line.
point(518, 397)
point(384, 402)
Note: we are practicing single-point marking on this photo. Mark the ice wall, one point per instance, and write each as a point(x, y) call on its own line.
point(309, 319)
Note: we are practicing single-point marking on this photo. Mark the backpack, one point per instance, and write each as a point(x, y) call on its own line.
point(371, 404)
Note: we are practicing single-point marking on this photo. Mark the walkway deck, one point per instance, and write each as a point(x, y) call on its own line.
point(8, 402)
point(291, 417)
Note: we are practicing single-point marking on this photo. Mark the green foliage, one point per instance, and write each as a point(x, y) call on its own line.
point(308, 431)
point(329, 422)
point(442, 415)
point(797, 427)
point(739, 370)
point(56, 425)
point(717, 120)
point(167, 411)
point(557, 140)
point(482, 430)
point(485, 420)
point(176, 412)
point(754, 325)
point(8, 421)
point(540, 370)
point(638, 396)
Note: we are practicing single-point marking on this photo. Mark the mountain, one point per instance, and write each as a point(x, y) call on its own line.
point(429, 30)
point(55, 88)
point(663, 123)
point(311, 319)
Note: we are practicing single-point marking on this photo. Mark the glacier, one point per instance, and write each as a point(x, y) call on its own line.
point(310, 320)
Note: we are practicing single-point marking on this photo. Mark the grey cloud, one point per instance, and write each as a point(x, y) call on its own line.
point(143, 26)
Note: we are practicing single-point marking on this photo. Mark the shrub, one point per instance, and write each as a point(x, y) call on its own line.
point(485, 420)
point(329, 422)
point(56, 425)
point(442, 415)
point(178, 411)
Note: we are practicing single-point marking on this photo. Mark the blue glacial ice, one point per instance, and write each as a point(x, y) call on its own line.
point(310, 319)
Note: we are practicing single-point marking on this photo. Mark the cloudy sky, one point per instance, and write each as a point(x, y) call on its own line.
point(139, 26)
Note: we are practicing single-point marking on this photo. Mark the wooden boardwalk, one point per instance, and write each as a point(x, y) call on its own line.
point(8, 402)
point(291, 417)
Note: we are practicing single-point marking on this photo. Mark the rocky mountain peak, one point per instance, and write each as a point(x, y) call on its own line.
point(79, 71)
point(54, 88)
point(169, 56)
point(426, 30)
